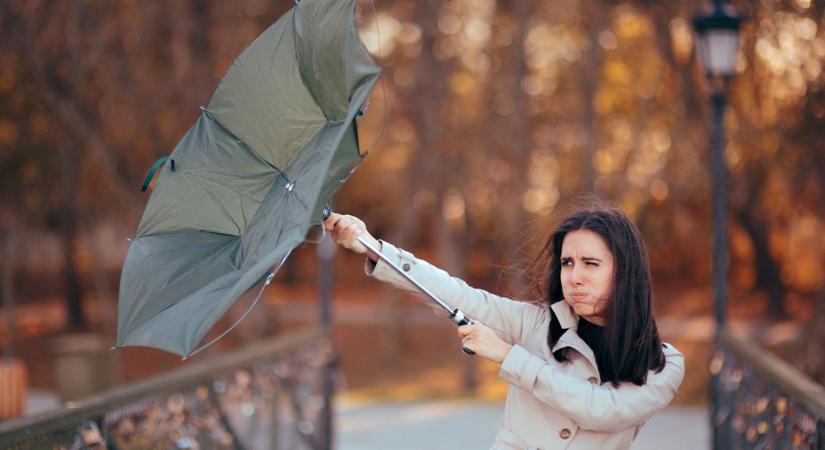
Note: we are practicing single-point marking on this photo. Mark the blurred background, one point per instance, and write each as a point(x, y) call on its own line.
point(490, 118)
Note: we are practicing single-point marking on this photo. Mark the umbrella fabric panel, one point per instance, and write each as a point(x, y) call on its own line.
point(263, 100)
point(180, 339)
point(333, 60)
point(184, 323)
point(161, 269)
point(217, 186)
point(322, 53)
point(342, 163)
point(359, 68)
point(339, 73)
point(177, 292)
point(338, 162)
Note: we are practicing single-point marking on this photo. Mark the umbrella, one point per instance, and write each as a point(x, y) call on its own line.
point(250, 177)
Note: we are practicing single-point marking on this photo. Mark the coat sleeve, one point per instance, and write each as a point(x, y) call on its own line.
point(507, 317)
point(597, 408)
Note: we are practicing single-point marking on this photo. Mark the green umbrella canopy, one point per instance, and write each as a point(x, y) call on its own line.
point(249, 178)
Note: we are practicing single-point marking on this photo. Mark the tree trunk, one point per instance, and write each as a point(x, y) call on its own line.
point(103, 289)
point(768, 275)
point(73, 291)
point(594, 22)
point(515, 151)
point(425, 113)
point(812, 357)
point(452, 253)
point(7, 290)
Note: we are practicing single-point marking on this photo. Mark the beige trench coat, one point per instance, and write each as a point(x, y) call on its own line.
point(550, 404)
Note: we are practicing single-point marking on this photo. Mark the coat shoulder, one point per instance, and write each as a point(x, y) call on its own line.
point(669, 350)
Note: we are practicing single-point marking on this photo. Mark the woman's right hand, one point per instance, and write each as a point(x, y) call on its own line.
point(346, 230)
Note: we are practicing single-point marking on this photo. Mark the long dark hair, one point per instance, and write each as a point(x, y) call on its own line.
point(628, 345)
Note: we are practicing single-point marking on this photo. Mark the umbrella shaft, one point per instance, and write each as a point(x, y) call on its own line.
point(409, 278)
point(456, 316)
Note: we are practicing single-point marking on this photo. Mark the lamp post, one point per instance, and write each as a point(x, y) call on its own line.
point(717, 42)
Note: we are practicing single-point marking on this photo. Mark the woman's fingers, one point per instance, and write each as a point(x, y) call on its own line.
point(482, 340)
point(346, 230)
point(465, 330)
point(346, 236)
point(469, 337)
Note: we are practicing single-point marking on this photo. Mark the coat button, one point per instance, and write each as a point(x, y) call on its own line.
point(406, 267)
point(593, 380)
point(565, 433)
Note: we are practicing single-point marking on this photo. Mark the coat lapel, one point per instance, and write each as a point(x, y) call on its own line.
point(570, 322)
point(563, 312)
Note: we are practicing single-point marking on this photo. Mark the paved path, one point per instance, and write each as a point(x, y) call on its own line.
point(467, 425)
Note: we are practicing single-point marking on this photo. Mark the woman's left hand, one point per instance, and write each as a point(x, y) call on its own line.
point(483, 340)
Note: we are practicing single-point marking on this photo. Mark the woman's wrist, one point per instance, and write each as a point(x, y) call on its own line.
point(505, 350)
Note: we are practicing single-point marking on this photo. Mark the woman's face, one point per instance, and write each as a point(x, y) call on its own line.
point(587, 274)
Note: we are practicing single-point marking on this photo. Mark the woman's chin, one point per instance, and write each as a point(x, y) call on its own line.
point(582, 310)
point(585, 312)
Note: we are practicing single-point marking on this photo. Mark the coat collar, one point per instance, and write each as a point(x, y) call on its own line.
point(569, 321)
point(567, 318)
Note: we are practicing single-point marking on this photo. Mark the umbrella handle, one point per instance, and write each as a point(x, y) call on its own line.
point(456, 316)
point(460, 319)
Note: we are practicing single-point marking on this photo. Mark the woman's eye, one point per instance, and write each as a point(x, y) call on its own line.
point(591, 263)
point(566, 262)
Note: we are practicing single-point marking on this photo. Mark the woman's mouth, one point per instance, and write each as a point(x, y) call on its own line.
point(577, 297)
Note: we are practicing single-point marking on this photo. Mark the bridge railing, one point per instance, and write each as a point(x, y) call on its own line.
point(266, 395)
point(759, 401)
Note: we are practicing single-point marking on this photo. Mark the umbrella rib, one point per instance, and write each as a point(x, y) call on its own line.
point(234, 136)
point(248, 310)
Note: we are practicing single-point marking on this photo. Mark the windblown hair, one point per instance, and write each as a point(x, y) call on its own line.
point(629, 344)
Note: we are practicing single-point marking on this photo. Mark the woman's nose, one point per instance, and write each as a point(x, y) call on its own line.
point(576, 276)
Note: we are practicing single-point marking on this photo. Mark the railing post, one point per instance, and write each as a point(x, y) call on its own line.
point(820, 435)
point(274, 422)
point(326, 253)
point(721, 404)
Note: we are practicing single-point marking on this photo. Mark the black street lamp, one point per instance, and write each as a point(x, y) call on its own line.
point(717, 42)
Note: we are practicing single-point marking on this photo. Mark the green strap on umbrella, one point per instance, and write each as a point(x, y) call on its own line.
point(154, 169)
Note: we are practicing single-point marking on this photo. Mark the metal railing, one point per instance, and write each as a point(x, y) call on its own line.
point(759, 401)
point(269, 395)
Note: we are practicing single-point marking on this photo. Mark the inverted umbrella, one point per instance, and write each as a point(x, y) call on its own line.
point(249, 179)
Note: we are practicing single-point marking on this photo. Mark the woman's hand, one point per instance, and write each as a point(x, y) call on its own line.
point(483, 340)
point(346, 230)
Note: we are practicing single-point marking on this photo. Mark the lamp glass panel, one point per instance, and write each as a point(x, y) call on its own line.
point(722, 46)
point(702, 50)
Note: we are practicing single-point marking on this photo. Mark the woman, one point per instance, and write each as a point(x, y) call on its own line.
point(586, 367)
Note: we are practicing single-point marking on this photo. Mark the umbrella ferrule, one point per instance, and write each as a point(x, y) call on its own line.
point(459, 318)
